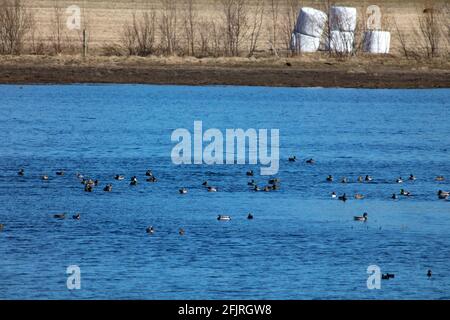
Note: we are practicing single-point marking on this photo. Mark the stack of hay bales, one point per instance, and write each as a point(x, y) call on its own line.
point(377, 42)
point(308, 30)
point(342, 29)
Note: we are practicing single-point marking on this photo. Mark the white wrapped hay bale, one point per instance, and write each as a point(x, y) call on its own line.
point(304, 43)
point(341, 42)
point(311, 22)
point(377, 42)
point(343, 19)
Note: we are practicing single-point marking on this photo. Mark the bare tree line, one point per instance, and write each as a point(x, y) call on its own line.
point(236, 28)
point(19, 30)
point(431, 36)
point(16, 21)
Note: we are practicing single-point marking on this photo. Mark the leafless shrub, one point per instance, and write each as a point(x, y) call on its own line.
point(255, 25)
point(360, 29)
point(235, 25)
point(430, 31)
point(16, 20)
point(402, 40)
point(274, 13)
point(168, 26)
point(138, 36)
point(112, 49)
point(190, 15)
point(289, 19)
point(58, 34)
point(447, 23)
point(37, 42)
point(217, 39)
point(204, 37)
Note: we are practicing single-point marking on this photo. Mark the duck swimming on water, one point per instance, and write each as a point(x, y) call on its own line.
point(183, 191)
point(59, 216)
point(411, 177)
point(151, 179)
point(108, 188)
point(250, 173)
point(274, 180)
point(150, 230)
point(21, 172)
point(292, 159)
point(250, 216)
point(212, 189)
point(223, 218)
point(333, 195)
point(330, 178)
point(405, 193)
point(399, 180)
point(133, 181)
point(361, 218)
point(343, 197)
point(76, 216)
point(440, 178)
point(119, 177)
point(394, 196)
point(368, 178)
point(44, 177)
point(443, 194)
point(310, 161)
point(149, 173)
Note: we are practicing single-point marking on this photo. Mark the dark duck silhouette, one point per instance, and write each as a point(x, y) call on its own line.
point(133, 181)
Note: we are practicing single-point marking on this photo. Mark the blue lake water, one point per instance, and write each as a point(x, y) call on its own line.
point(301, 244)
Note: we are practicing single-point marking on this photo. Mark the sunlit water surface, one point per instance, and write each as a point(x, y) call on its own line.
point(301, 244)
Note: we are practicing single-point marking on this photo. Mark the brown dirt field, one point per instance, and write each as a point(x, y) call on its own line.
point(302, 72)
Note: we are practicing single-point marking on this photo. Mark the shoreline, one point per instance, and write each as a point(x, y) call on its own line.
point(288, 72)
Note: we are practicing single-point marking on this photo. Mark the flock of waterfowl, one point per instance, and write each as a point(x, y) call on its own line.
point(90, 184)
point(444, 195)
point(387, 276)
point(273, 184)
